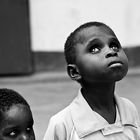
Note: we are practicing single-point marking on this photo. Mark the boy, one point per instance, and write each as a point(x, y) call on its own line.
point(97, 61)
point(16, 121)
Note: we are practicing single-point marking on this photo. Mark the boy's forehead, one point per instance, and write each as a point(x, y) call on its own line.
point(15, 109)
point(95, 31)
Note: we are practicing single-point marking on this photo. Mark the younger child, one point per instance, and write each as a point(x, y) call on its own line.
point(96, 60)
point(16, 121)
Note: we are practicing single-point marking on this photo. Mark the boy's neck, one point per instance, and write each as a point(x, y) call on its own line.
point(100, 97)
point(101, 94)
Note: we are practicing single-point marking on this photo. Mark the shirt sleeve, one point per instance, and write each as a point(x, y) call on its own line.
point(55, 130)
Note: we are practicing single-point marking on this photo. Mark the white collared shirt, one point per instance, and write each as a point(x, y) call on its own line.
point(79, 122)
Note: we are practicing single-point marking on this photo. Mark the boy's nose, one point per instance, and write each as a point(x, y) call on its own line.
point(111, 53)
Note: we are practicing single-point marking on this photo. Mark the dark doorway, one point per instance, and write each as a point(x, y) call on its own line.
point(15, 49)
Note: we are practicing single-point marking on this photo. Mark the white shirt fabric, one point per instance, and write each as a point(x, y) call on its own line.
point(79, 122)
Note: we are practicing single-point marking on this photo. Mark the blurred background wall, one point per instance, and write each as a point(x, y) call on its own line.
point(41, 27)
point(52, 21)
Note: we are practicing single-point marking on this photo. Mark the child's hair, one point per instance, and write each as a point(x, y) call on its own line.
point(74, 39)
point(9, 97)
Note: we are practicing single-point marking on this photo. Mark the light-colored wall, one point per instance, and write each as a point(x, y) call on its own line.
point(53, 20)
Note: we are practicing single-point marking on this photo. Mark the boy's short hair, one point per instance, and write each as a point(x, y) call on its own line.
point(73, 39)
point(9, 97)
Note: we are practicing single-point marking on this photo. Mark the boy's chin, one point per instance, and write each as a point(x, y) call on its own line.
point(106, 77)
point(118, 77)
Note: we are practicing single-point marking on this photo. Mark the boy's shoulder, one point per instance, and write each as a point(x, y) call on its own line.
point(62, 118)
point(127, 103)
point(128, 110)
point(61, 123)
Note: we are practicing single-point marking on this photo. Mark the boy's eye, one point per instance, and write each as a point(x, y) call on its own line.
point(115, 48)
point(29, 129)
point(94, 49)
point(12, 134)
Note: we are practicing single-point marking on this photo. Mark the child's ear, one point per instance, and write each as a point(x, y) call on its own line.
point(73, 72)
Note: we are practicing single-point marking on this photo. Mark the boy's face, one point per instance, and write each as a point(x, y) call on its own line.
point(17, 124)
point(100, 58)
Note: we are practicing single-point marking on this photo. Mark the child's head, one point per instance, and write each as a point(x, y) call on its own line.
point(16, 121)
point(94, 54)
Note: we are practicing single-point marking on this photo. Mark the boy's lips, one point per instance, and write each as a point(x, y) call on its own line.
point(115, 64)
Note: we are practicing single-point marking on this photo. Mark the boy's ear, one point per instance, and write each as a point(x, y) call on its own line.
point(73, 72)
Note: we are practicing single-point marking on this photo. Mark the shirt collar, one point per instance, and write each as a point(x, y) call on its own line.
point(87, 121)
